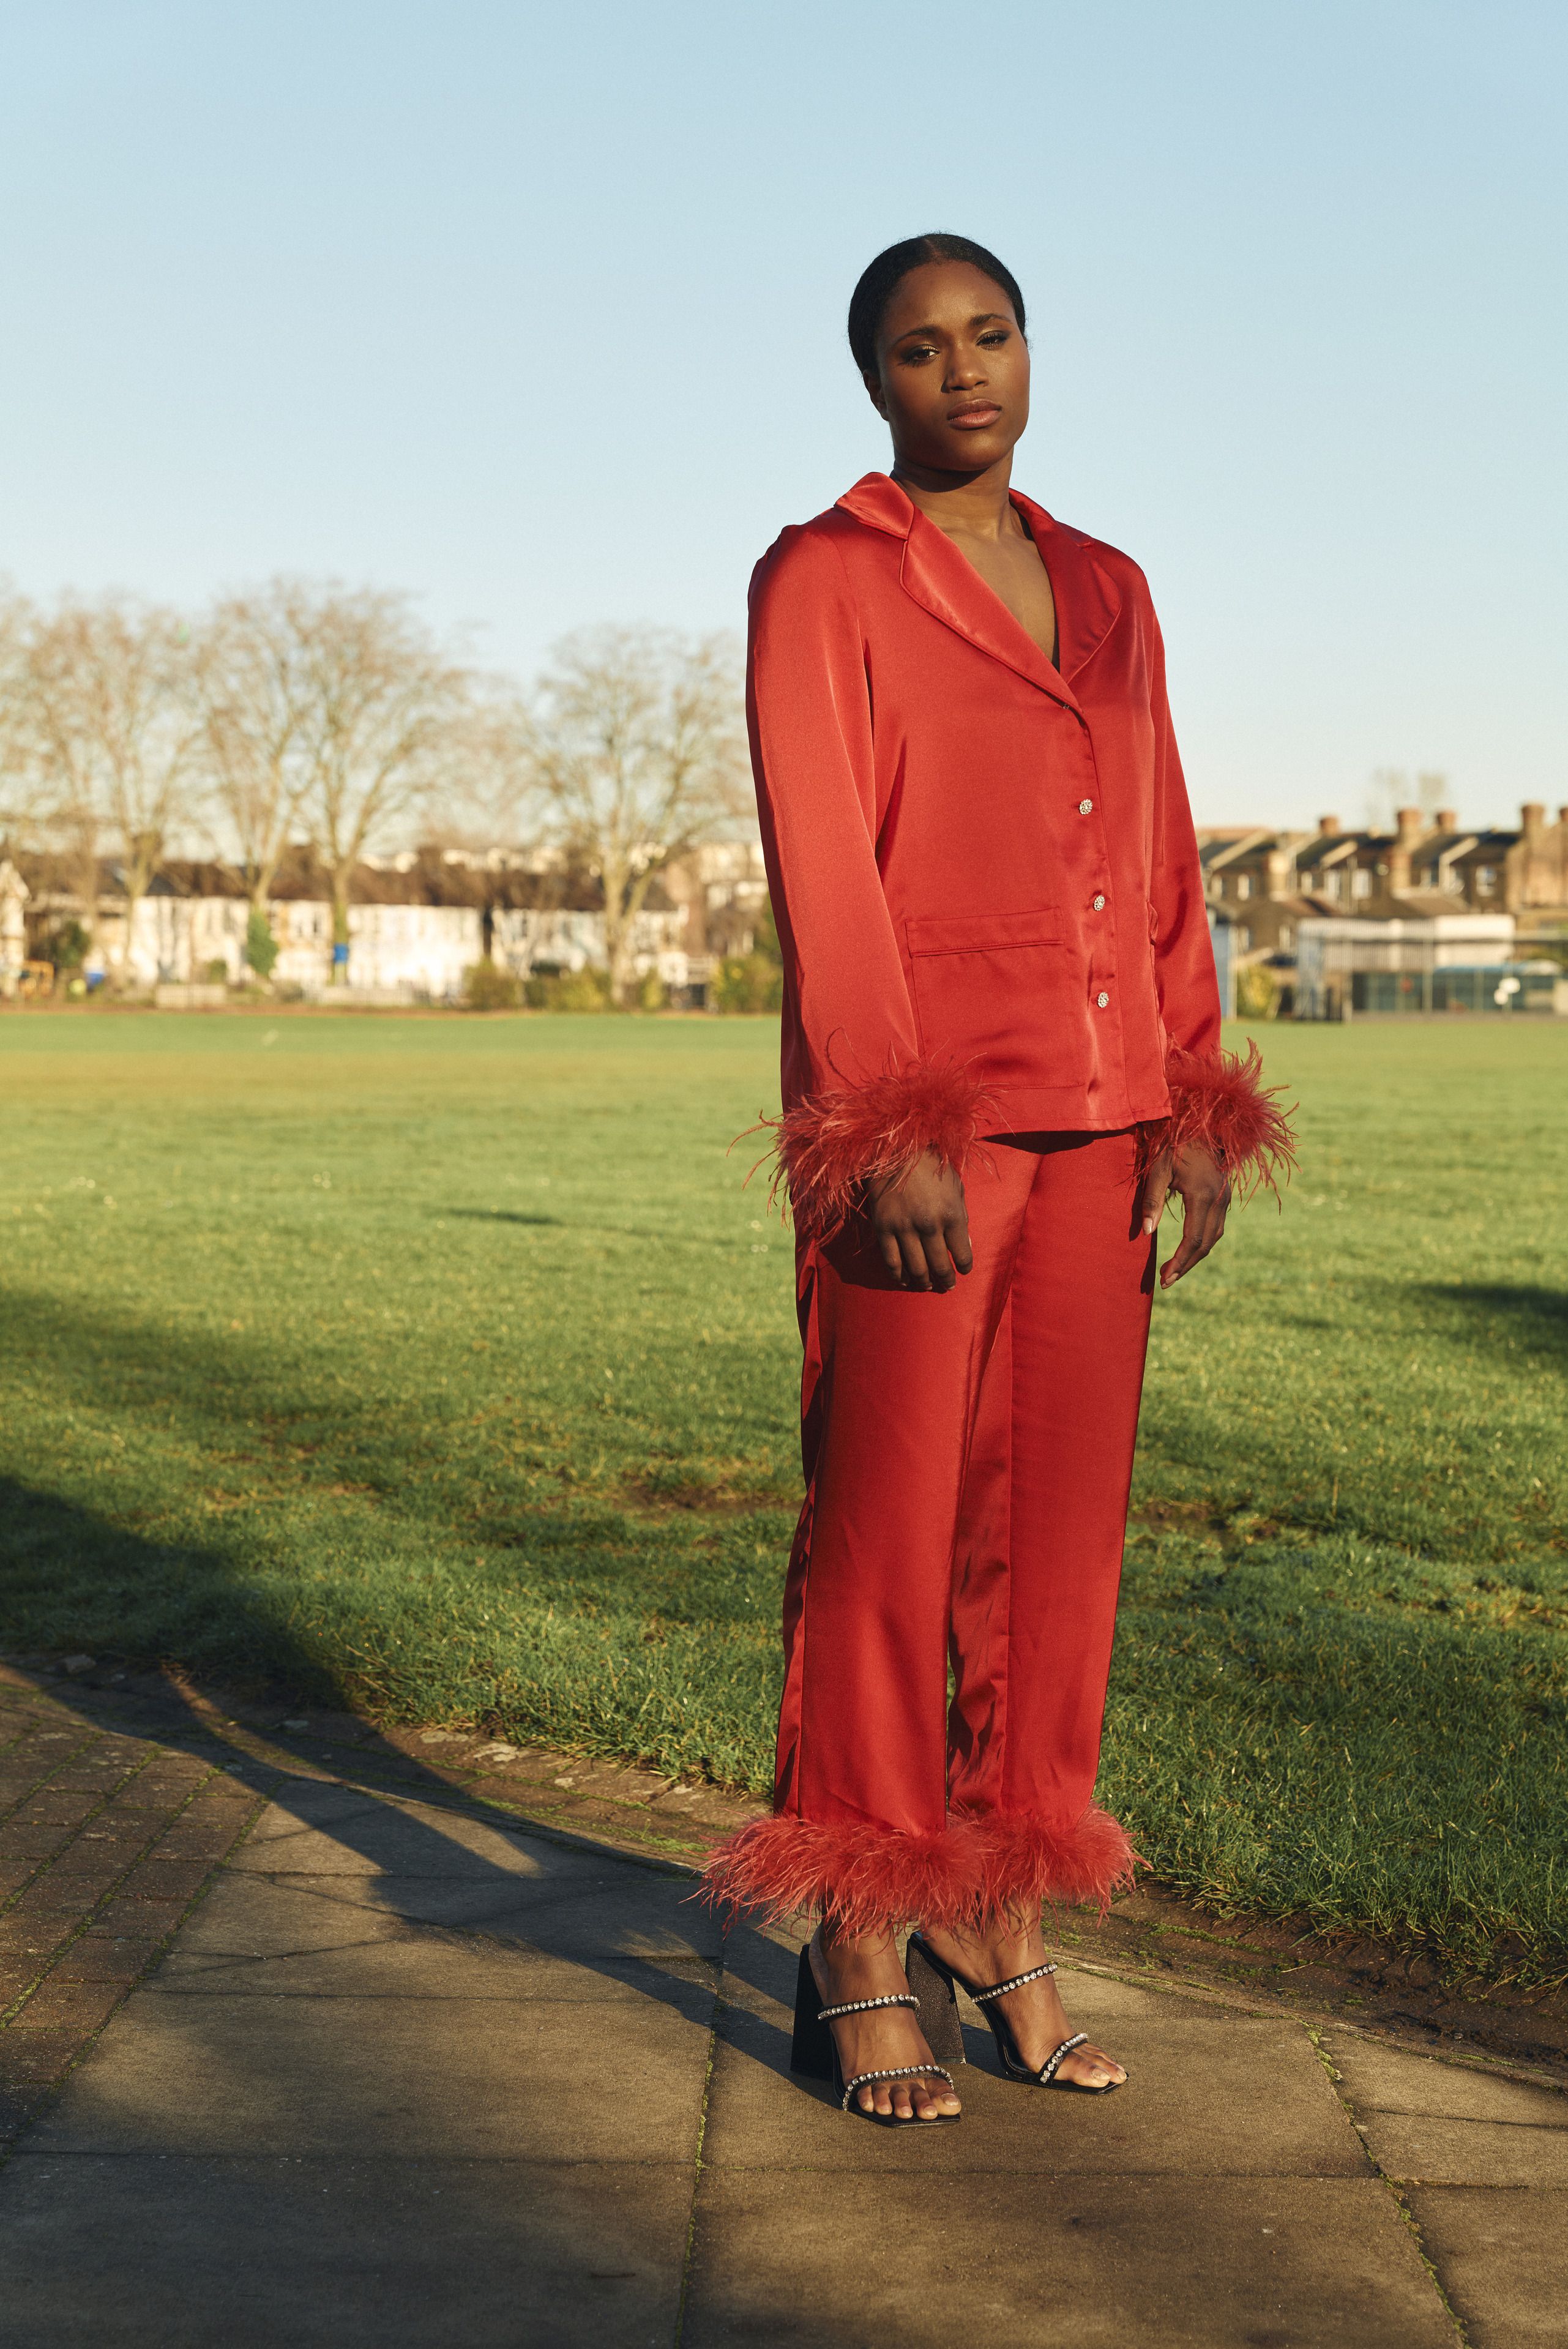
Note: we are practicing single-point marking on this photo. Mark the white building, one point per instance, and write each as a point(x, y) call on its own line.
point(1436, 963)
point(417, 950)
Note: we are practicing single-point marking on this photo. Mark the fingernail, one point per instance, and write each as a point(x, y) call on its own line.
point(1149, 1227)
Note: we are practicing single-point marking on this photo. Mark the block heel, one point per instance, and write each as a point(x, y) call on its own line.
point(938, 2004)
point(924, 1966)
point(811, 2050)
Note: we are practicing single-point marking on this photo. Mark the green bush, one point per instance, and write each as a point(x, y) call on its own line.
point(488, 986)
point(568, 990)
point(261, 948)
point(216, 972)
point(750, 982)
point(66, 947)
point(1257, 993)
point(651, 992)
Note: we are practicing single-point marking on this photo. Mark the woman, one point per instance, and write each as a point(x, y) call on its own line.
point(1001, 1054)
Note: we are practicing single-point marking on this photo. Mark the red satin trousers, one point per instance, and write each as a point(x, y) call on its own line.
point(967, 1462)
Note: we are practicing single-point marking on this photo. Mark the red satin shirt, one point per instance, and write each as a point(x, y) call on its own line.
point(979, 863)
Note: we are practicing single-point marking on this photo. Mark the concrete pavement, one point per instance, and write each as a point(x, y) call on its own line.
point(412, 2074)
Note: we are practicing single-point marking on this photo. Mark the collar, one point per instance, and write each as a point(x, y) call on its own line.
point(942, 580)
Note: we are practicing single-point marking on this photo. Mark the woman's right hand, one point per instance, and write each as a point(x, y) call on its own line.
point(922, 1224)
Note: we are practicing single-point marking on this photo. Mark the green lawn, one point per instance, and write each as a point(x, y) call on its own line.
point(445, 1361)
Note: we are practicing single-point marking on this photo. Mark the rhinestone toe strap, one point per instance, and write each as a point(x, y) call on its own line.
point(1014, 1982)
point(1047, 2071)
point(904, 2071)
point(864, 2005)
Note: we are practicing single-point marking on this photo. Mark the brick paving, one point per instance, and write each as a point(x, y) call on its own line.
point(106, 1841)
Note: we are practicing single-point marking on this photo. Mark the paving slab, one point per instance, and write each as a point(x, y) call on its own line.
point(1452, 2124)
point(792, 2260)
point(254, 1937)
point(1503, 2258)
point(162, 2253)
point(1209, 2095)
point(449, 2075)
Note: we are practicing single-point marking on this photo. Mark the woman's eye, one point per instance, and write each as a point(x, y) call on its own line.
point(915, 354)
point(994, 334)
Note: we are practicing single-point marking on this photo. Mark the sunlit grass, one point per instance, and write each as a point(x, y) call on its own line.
point(448, 1363)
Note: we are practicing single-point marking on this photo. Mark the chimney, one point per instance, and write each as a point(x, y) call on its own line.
point(1532, 816)
point(1412, 824)
point(1327, 825)
point(1276, 865)
point(1446, 820)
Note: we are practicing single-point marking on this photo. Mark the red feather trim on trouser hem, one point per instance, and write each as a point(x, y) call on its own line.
point(870, 1879)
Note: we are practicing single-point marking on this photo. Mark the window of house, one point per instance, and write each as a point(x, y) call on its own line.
point(1287, 935)
point(1361, 885)
point(1244, 885)
point(1331, 885)
point(1244, 937)
point(1485, 880)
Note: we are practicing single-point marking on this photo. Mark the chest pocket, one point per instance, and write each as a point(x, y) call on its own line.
point(1001, 993)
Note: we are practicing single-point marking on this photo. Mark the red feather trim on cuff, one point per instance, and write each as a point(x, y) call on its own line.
point(828, 1145)
point(1221, 1103)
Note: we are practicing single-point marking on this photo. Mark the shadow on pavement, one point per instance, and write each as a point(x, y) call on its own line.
point(411, 2071)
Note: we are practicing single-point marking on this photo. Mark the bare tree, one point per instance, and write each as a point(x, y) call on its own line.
point(113, 732)
point(385, 706)
point(23, 795)
point(1391, 789)
point(637, 749)
point(256, 685)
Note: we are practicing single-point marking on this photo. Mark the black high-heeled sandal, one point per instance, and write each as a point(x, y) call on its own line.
point(813, 2051)
point(933, 1981)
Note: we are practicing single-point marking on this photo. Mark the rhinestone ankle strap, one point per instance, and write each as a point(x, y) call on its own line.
point(1016, 1981)
point(864, 2006)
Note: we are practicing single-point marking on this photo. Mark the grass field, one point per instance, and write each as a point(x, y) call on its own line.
point(446, 1361)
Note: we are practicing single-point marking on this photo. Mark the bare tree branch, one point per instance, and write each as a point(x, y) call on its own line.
point(115, 730)
point(637, 748)
point(256, 711)
point(385, 706)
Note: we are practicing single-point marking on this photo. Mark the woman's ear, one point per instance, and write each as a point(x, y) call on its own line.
point(875, 394)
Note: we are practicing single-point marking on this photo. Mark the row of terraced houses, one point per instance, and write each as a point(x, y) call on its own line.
point(1429, 916)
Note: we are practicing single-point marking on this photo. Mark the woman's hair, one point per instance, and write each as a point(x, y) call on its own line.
point(868, 303)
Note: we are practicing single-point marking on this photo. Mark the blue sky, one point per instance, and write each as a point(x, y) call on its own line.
point(537, 313)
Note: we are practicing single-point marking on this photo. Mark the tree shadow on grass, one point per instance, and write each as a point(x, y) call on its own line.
point(1509, 1317)
point(494, 1215)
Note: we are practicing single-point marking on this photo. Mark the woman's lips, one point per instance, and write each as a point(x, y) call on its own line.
point(975, 419)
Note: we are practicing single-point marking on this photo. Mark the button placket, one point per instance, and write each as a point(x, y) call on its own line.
point(1103, 951)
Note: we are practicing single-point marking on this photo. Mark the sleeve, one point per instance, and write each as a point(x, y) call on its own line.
point(1218, 1098)
point(859, 1099)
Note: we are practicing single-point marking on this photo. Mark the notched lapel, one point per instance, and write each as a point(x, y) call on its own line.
point(1088, 598)
point(944, 584)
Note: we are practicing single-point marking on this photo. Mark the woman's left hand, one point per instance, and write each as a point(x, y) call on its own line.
point(1199, 1177)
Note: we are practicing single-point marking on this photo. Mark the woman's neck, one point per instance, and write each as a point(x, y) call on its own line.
point(965, 505)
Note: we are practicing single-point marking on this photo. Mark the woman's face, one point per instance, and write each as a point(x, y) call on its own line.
point(953, 370)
